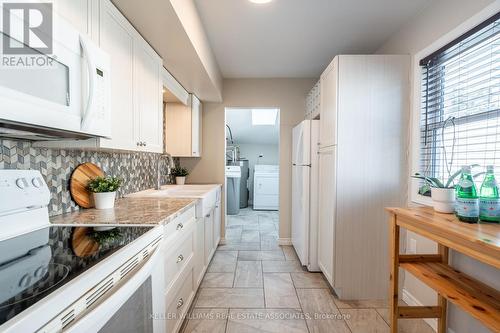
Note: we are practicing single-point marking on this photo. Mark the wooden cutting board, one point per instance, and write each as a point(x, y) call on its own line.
point(78, 183)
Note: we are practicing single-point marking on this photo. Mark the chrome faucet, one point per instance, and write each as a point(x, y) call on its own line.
point(169, 166)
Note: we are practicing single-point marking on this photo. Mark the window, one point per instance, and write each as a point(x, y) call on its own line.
point(460, 103)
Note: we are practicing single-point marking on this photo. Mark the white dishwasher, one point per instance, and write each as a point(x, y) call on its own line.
point(266, 187)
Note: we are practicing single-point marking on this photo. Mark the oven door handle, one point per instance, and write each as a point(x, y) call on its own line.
point(86, 118)
point(97, 317)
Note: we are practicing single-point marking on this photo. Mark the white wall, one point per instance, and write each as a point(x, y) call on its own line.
point(286, 94)
point(438, 24)
point(251, 152)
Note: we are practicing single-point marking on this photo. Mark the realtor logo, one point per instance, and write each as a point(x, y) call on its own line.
point(27, 28)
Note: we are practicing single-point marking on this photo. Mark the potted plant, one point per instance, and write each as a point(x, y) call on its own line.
point(104, 191)
point(442, 193)
point(180, 175)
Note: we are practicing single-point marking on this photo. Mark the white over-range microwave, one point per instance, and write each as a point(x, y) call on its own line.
point(64, 93)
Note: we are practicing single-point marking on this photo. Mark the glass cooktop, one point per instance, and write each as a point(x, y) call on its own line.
point(33, 265)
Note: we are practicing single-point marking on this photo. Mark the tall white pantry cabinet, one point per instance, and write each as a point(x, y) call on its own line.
point(363, 168)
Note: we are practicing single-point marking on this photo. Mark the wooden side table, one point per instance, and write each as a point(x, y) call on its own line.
point(479, 241)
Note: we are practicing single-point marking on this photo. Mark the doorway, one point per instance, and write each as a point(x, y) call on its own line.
point(252, 176)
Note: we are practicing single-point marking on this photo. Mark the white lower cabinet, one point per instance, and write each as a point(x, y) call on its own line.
point(209, 237)
point(190, 242)
point(199, 266)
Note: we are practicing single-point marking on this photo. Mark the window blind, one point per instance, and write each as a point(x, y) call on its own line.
point(460, 111)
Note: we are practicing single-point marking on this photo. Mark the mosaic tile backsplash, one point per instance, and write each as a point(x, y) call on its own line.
point(138, 170)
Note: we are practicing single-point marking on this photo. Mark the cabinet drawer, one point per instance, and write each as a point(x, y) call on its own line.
point(179, 304)
point(179, 225)
point(178, 257)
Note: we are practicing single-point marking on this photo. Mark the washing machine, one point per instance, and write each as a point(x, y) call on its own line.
point(266, 187)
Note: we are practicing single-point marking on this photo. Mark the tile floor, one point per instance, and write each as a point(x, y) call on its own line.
point(254, 285)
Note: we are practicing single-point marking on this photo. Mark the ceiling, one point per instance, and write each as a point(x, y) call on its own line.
point(240, 121)
point(297, 38)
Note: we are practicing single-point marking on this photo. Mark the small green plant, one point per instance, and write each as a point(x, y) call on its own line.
point(180, 172)
point(104, 184)
point(437, 183)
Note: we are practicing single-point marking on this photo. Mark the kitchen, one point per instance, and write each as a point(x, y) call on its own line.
point(139, 92)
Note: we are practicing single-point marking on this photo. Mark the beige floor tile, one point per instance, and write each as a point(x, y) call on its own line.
point(223, 262)
point(254, 226)
point(249, 236)
point(279, 291)
point(273, 255)
point(230, 298)
point(281, 266)
point(364, 321)
point(261, 255)
point(240, 246)
point(267, 244)
point(361, 304)
point(217, 280)
point(321, 313)
point(207, 321)
point(309, 280)
point(266, 321)
point(248, 274)
point(289, 253)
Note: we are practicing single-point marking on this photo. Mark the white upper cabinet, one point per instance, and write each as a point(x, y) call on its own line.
point(149, 98)
point(117, 39)
point(183, 128)
point(329, 105)
point(82, 14)
point(136, 84)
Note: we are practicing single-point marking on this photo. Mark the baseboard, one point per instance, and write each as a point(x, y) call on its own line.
point(412, 301)
point(285, 241)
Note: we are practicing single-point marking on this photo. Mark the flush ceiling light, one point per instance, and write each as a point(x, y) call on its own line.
point(264, 117)
point(260, 1)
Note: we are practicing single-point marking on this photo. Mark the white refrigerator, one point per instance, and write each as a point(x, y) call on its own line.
point(305, 193)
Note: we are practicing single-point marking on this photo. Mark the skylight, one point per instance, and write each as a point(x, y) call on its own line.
point(264, 117)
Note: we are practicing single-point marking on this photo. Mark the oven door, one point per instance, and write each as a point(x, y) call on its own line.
point(137, 306)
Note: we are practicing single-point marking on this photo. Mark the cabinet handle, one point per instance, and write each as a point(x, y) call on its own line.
point(180, 303)
point(180, 226)
point(208, 215)
point(145, 143)
point(138, 143)
point(180, 258)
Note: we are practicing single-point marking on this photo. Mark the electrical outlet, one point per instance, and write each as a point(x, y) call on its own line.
point(412, 247)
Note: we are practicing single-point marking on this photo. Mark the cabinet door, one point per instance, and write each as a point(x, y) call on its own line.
point(117, 39)
point(149, 101)
point(199, 263)
point(76, 12)
point(328, 113)
point(327, 210)
point(217, 222)
point(195, 127)
point(209, 236)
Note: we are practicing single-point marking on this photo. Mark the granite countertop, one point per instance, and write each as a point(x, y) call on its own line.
point(129, 211)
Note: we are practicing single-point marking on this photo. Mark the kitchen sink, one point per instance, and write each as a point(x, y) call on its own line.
point(208, 194)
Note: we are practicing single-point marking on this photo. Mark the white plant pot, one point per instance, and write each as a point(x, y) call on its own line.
point(180, 180)
point(443, 199)
point(104, 200)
